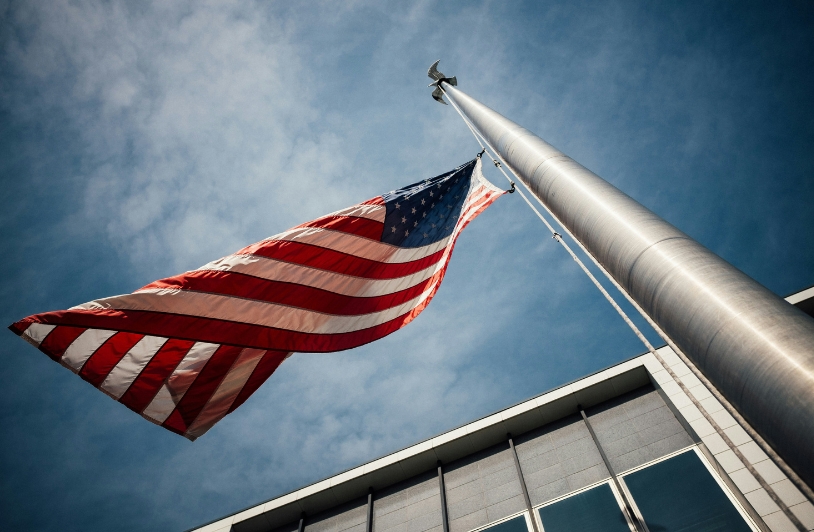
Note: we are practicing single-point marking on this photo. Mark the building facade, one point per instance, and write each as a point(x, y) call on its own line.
point(645, 445)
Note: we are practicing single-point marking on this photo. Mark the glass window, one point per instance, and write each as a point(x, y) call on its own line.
point(594, 509)
point(679, 494)
point(518, 524)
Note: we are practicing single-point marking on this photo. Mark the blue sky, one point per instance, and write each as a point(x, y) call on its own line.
point(139, 140)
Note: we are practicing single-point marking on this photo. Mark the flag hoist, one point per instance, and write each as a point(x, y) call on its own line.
point(754, 347)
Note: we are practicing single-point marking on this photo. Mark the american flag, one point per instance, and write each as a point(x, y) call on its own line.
point(185, 351)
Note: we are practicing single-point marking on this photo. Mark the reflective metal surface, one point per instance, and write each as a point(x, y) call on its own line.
point(756, 348)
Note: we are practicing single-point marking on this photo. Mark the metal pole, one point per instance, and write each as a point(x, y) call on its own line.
point(522, 482)
point(638, 524)
point(757, 349)
point(369, 527)
point(444, 515)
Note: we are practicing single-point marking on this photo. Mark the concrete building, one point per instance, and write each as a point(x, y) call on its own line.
point(640, 446)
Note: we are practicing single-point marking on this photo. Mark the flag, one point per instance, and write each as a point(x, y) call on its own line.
point(185, 351)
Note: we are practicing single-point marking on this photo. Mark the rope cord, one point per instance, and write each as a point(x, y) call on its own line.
point(483, 144)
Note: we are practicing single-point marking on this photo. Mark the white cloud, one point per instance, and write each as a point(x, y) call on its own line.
point(196, 119)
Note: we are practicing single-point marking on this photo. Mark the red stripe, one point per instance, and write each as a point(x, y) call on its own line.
point(223, 332)
point(336, 261)
point(149, 381)
point(19, 327)
point(173, 421)
point(218, 331)
point(353, 225)
point(294, 295)
point(202, 389)
point(378, 200)
point(58, 340)
point(267, 365)
point(104, 359)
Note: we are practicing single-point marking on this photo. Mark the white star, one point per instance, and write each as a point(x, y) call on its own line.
point(426, 235)
point(393, 228)
point(415, 224)
point(431, 193)
point(441, 197)
point(424, 215)
point(403, 220)
point(423, 202)
point(458, 196)
point(413, 210)
point(433, 226)
point(433, 205)
point(398, 206)
point(406, 233)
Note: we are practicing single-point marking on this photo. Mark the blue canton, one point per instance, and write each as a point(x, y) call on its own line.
point(426, 212)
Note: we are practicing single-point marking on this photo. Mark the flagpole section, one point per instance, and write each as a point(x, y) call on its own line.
point(756, 348)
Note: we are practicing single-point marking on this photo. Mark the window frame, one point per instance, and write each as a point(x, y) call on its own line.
point(535, 513)
point(515, 515)
point(608, 481)
point(710, 469)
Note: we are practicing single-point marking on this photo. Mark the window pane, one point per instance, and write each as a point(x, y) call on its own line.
point(679, 494)
point(595, 509)
point(518, 524)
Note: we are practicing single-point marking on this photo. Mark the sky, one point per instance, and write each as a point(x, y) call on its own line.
point(142, 139)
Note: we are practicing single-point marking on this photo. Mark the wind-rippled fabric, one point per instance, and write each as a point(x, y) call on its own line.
point(185, 351)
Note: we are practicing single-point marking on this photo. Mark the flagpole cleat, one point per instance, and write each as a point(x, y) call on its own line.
point(438, 78)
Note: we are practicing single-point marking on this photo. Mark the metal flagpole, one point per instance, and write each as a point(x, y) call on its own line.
point(756, 348)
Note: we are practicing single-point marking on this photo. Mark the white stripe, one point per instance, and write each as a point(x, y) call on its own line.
point(203, 305)
point(478, 193)
point(286, 272)
point(371, 212)
point(36, 333)
point(228, 390)
point(179, 382)
point(358, 246)
point(478, 173)
point(129, 367)
point(83, 347)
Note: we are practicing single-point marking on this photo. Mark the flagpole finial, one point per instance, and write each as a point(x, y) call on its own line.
point(438, 77)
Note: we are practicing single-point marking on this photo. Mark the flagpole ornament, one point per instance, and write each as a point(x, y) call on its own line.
point(187, 350)
point(756, 348)
point(438, 78)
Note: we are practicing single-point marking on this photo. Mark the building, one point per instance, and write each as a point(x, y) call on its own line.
point(638, 446)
